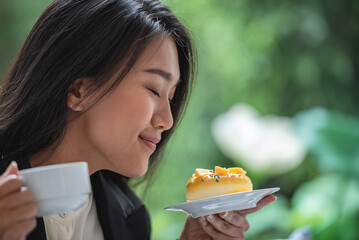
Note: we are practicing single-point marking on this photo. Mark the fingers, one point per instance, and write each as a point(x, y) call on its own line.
point(12, 169)
point(9, 184)
point(17, 198)
point(263, 202)
point(233, 224)
point(17, 204)
point(217, 228)
point(23, 212)
point(20, 229)
point(27, 225)
point(9, 181)
point(235, 218)
point(238, 218)
point(20, 215)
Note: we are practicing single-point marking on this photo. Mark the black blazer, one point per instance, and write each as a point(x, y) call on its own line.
point(121, 213)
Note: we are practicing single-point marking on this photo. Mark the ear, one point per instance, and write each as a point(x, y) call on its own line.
point(76, 93)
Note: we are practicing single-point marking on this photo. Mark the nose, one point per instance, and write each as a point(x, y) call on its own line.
point(162, 118)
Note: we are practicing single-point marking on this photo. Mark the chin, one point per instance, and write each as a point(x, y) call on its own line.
point(137, 172)
point(131, 169)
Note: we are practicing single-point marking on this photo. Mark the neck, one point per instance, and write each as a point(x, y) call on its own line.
point(72, 148)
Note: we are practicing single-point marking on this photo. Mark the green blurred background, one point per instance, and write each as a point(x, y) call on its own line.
point(293, 60)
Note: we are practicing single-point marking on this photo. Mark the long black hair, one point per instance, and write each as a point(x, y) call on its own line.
point(82, 38)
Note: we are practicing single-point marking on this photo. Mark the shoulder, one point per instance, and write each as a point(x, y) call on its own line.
point(120, 211)
point(108, 187)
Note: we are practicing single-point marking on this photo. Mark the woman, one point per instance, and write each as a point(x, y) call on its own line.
point(101, 81)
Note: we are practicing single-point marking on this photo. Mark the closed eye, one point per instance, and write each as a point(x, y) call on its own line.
point(155, 92)
point(158, 95)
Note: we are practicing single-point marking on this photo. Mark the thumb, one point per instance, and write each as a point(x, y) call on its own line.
point(12, 169)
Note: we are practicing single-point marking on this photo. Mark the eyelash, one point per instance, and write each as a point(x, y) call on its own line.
point(158, 95)
point(155, 92)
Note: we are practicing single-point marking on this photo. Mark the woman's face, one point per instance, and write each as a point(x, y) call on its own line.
point(120, 132)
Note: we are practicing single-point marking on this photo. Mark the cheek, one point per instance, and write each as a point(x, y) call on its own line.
point(134, 109)
point(118, 119)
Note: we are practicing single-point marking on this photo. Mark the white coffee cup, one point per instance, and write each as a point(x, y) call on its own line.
point(59, 188)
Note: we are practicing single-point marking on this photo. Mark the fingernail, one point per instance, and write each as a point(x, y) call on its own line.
point(203, 219)
point(210, 217)
point(13, 163)
point(224, 214)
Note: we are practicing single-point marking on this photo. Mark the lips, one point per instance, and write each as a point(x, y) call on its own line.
point(150, 142)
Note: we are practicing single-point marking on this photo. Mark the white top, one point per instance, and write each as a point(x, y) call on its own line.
point(80, 224)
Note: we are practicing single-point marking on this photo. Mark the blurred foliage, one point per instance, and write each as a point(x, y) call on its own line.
point(333, 138)
point(283, 58)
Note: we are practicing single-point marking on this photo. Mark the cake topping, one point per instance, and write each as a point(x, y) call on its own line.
point(200, 172)
point(236, 170)
point(218, 172)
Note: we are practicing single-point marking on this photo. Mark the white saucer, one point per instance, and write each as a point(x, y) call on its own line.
point(223, 203)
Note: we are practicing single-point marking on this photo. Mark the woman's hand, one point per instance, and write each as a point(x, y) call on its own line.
point(229, 225)
point(17, 207)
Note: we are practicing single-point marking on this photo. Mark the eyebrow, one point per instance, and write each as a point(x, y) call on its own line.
point(162, 73)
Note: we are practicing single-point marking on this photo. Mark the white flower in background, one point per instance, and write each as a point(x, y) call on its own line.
point(260, 143)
